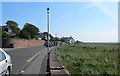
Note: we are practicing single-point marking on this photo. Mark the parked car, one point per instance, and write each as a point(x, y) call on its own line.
point(5, 63)
point(53, 43)
point(46, 44)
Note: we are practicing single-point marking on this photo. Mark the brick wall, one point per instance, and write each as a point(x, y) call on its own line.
point(21, 43)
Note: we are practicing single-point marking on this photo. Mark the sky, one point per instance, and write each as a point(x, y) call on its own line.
point(59, 0)
point(84, 21)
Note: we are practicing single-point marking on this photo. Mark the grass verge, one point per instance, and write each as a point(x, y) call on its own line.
point(86, 58)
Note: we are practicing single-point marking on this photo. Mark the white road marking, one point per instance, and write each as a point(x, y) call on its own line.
point(22, 71)
point(30, 59)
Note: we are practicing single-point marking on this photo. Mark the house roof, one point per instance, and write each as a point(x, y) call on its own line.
point(67, 38)
point(6, 27)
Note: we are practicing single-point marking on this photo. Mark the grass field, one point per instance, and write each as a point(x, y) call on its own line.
point(89, 58)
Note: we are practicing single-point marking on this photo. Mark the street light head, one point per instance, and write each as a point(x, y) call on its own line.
point(48, 9)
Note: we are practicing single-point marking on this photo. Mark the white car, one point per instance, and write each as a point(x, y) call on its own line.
point(5, 63)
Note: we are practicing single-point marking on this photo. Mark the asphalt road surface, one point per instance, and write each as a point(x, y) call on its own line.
point(22, 56)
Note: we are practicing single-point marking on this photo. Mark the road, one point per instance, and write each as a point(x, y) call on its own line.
point(28, 59)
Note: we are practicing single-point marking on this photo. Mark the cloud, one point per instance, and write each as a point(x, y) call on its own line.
point(104, 9)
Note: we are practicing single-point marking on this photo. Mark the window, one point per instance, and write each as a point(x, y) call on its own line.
point(2, 56)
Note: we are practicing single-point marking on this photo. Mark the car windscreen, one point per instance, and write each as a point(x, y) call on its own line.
point(2, 56)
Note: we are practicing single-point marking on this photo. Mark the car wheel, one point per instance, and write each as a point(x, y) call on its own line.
point(7, 72)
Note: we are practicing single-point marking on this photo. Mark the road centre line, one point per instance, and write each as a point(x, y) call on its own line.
point(21, 70)
point(31, 58)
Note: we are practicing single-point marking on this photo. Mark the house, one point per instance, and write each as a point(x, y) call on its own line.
point(68, 39)
point(57, 38)
point(41, 36)
point(8, 30)
point(12, 24)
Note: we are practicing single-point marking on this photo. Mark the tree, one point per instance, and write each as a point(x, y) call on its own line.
point(16, 31)
point(12, 24)
point(4, 34)
point(29, 30)
point(24, 34)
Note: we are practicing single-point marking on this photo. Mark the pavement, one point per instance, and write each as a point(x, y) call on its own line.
point(56, 68)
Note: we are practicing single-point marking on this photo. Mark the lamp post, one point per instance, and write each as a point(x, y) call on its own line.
point(48, 52)
point(48, 27)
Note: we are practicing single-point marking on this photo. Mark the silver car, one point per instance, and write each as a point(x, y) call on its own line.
point(5, 63)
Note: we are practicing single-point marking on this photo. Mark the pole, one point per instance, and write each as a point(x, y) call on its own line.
point(48, 27)
point(48, 52)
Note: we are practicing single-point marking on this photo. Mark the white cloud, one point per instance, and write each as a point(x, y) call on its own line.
point(104, 9)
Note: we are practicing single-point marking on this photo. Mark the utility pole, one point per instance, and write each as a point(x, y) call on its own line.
point(48, 52)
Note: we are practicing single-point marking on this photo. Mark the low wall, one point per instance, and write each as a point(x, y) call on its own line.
point(21, 43)
point(5, 42)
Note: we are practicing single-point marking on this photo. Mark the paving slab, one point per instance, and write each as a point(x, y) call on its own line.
point(56, 68)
